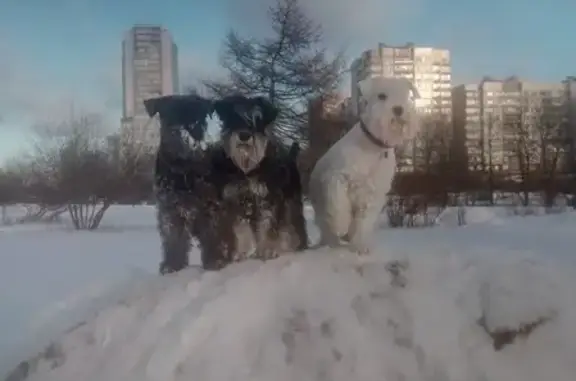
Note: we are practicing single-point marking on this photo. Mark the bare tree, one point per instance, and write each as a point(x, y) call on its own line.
point(420, 195)
point(10, 191)
point(135, 164)
point(71, 170)
point(15, 182)
point(552, 145)
point(329, 119)
point(488, 173)
point(525, 150)
point(8, 187)
point(290, 66)
point(431, 156)
point(432, 145)
point(538, 144)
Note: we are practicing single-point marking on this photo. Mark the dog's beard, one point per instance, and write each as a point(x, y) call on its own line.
point(246, 155)
point(404, 128)
point(396, 129)
point(391, 131)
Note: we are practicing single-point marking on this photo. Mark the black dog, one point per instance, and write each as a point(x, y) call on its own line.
point(240, 197)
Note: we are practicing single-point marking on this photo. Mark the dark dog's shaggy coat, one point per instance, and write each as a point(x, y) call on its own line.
point(239, 198)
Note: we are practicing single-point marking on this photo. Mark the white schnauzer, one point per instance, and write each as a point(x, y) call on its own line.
point(239, 198)
point(349, 184)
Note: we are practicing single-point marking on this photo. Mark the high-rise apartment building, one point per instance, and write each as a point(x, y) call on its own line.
point(492, 112)
point(428, 68)
point(149, 69)
point(466, 121)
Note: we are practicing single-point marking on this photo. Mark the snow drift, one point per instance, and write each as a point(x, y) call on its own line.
point(331, 316)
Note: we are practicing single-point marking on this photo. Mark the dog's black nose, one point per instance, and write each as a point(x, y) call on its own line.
point(244, 136)
point(397, 110)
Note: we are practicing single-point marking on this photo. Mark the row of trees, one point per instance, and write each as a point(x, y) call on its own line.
point(437, 164)
point(72, 169)
point(535, 135)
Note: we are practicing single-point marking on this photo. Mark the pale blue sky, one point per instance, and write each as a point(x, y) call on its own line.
point(58, 55)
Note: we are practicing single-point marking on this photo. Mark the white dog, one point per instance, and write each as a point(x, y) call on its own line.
point(349, 184)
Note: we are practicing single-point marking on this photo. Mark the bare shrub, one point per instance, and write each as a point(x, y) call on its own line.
point(69, 169)
point(10, 188)
point(412, 212)
point(418, 197)
point(41, 213)
point(395, 212)
point(135, 166)
point(87, 183)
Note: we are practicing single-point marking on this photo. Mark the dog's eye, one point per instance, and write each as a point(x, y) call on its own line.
point(382, 96)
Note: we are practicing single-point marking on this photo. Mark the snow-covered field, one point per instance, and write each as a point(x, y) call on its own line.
point(428, 304)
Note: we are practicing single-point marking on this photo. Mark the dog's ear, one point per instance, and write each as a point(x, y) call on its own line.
point(224, 107)
point(152, 105)
point(269, 111)
point(179, 109)
point(365, 87)
point(188, 111)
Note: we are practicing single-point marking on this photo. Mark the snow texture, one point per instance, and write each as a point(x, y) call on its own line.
point(462, 304)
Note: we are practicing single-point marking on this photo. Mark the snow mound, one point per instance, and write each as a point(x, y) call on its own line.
point(331, 316)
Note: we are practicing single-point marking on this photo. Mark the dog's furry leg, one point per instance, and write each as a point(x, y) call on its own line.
point(266, 241)
point(300, 238)
point(294, 205)
point(334, 211)
point(282, 231)
point(362, 226)
point(293, 235)
point(211, 252)
point(245, 238)
point(175, 240)
point(216, 239)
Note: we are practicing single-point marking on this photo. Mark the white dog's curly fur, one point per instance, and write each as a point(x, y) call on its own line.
point(349, 184)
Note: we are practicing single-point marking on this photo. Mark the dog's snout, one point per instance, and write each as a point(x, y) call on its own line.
point(398, 110)
point(244, 136)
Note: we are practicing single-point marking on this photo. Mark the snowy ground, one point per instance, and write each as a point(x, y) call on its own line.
point(320, 316)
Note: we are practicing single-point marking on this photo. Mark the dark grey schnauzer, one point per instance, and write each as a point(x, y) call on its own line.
point(239, 198)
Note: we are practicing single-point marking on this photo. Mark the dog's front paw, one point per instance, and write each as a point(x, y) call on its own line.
point(165, 269)
point(214, 265)
point(267, 254)
point(359, 249)
point(239, 256)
